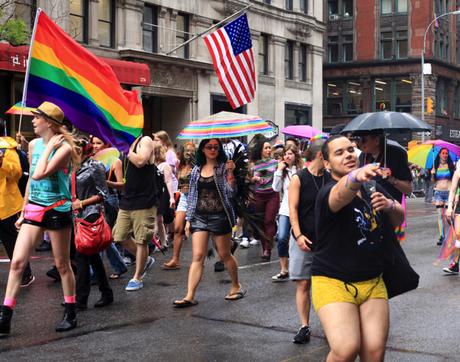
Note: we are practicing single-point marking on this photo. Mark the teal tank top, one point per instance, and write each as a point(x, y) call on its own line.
point(51, 189)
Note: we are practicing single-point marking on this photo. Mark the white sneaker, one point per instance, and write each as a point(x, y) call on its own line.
point(254, 242)
point(244, 243)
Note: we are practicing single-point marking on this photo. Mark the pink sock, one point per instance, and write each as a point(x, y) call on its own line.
point(69, 299)
point(9, 302)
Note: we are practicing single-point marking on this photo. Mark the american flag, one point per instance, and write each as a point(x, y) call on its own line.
point(233, 59)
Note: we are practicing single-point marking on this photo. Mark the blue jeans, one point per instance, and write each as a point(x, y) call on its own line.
point(115, 259)
point(284, 228)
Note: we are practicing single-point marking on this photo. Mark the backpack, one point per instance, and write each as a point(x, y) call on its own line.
point(22, 183)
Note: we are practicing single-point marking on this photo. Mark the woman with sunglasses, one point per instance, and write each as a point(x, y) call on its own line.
point(442, 173)
point(210, 211)
point(267, 200)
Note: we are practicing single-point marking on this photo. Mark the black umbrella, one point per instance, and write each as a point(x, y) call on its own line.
point(386, 121)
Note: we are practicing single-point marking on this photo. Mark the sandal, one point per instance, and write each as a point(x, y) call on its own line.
point(236, 295)
point(117, 275)
point(184, 303)
point(169, 266)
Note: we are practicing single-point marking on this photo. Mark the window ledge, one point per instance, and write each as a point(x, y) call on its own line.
point(266, 79)
point(289, 83)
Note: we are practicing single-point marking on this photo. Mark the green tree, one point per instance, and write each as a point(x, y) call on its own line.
point(13, 30)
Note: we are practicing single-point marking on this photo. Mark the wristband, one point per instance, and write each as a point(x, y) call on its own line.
point(81, 204)
point(296, 237)
point(351, 177)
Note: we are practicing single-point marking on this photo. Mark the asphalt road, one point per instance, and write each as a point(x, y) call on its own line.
point(143, 325)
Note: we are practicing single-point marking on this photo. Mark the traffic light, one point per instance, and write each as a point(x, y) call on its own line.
point(429, 105)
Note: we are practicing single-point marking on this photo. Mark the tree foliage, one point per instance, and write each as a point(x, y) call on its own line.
point(13, 30)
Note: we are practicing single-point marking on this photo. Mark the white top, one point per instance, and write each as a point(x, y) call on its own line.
point(280, 184)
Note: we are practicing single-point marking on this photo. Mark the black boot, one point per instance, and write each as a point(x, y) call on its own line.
point(5, 320)
point(69, 321)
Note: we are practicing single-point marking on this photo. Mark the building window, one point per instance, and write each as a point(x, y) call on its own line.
point(304, 6)
point(289, 60)
point(441, 97)
point(393, 6)
point(401, 44)
point(333, 49)
point(297, 114)
point(150, 30)
point(79, 20)
point(386, 40)
point(303, 63)
point(441, 45)
point(347, 48)
point(106, 23)
point(393, 94)
point(263, 54)
point(289, 5)
point(393, 44)
point(457, 102)
point(267, 2)
point(337, 8)
point(340, 48)
point(182, 32)
point(344, 97)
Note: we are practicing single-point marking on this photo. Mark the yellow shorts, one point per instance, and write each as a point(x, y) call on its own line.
point(329, 290)
point(139, 224)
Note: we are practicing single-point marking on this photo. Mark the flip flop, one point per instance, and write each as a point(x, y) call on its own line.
point(116, 275)
point(184, 303)
point(170, 267)
point(236, 295)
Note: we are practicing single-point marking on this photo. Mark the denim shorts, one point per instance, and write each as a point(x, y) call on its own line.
point(216, 224)
point(441, 196)
point(182, 205)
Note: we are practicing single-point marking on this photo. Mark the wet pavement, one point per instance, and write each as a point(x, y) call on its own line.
point(143, 325)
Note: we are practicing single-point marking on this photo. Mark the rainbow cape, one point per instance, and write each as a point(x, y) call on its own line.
point(63, 72)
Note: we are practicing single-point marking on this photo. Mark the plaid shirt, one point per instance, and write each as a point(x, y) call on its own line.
point(224, 189)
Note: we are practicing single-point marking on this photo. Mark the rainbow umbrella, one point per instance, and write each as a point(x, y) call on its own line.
point(18, 108)
point(107, 156)
point(301, 131)
point(225, 125)
point(425, 153)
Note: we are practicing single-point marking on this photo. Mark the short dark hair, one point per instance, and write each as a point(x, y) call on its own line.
point(325, 146)
point(293, 139)
point(201, 158)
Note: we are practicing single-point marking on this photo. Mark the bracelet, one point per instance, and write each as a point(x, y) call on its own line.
point(296, 237)
point(81, 204)
point(352, 178)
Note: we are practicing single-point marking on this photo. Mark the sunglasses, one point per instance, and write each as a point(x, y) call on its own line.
point(211, 147)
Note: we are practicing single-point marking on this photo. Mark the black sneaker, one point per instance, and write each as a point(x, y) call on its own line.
point(302, 336)
point(440, 241)
point(219, 266)
point(26, 281)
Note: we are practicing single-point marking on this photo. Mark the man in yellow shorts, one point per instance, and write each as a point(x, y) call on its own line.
point(354, 217)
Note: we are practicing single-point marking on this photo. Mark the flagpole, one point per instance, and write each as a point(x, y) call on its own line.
point(26, 78)
point(208, 29)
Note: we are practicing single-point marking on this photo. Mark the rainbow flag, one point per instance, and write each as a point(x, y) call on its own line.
point(63, 72)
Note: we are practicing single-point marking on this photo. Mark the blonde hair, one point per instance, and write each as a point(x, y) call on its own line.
point(164, 138)
point(159, 153)
point(70, 138)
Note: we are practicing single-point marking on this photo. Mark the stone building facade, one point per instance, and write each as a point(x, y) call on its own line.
point(287, 41)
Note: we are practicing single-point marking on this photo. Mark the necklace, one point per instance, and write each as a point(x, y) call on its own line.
point(314, 181)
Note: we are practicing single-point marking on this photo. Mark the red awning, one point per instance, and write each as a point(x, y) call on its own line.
point(15, 59)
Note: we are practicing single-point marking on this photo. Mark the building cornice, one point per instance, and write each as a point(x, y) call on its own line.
point(133, 54)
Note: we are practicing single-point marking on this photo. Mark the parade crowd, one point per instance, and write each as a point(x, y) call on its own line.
point(329, 209)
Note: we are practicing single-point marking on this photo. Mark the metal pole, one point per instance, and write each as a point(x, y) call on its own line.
point(456, 12)
point(205, 31)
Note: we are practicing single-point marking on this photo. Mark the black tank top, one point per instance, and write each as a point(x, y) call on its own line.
point(309, 187)
point(140, 187)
